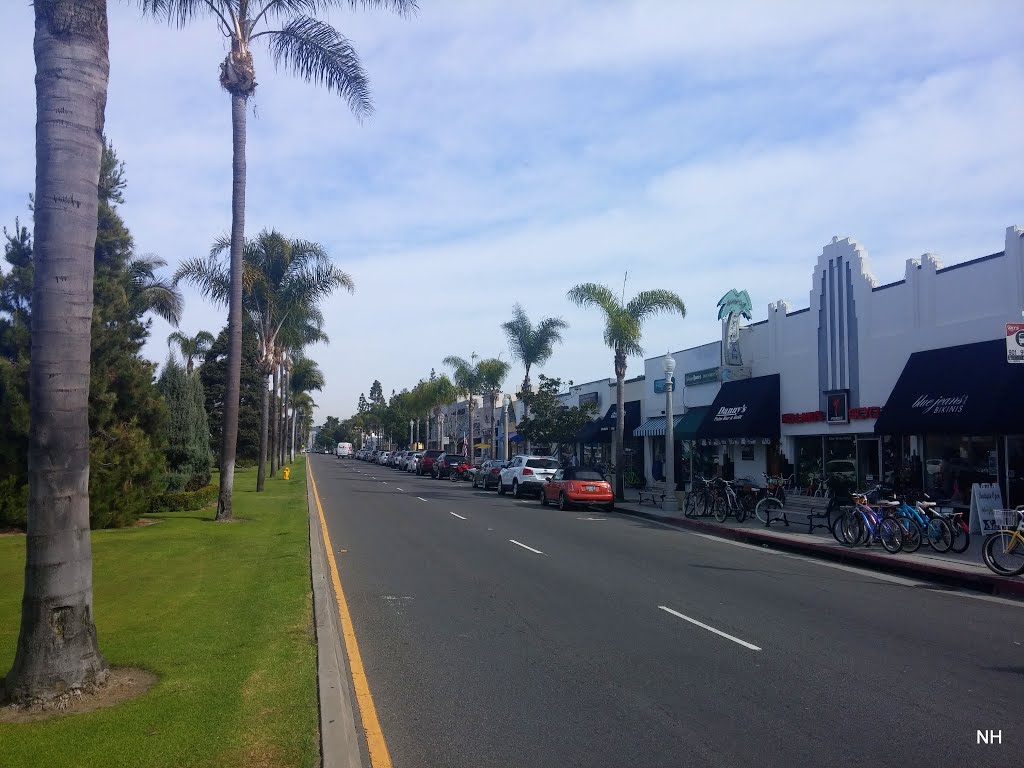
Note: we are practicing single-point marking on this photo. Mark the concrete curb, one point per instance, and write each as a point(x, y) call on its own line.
point(339, 742)
point(991, 584)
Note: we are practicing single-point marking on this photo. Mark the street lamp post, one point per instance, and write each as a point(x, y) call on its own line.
point(669, 504)
point(504, 427)
point(410, 433)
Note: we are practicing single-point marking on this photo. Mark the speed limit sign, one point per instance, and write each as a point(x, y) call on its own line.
point(1015, 342)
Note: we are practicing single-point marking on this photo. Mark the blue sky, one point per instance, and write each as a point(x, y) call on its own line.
point(520, 148)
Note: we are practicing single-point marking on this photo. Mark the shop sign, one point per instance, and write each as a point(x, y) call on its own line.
point(1015, 342)
point(940, 404)
point(803, 418)
point(838, 403)
point(868, 412)
point(693, 378)
point(986, 498)
point(588, 398)
point(659, 384)
point(730, 414)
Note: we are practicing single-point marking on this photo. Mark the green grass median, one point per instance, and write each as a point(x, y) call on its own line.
point(220, 612)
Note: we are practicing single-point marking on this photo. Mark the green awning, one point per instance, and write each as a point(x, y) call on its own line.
point(692, 419)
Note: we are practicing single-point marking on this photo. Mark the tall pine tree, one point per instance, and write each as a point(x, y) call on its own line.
point(126, 413)
point(188, 431)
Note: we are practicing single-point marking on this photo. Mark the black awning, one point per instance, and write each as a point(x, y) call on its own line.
point(965, 390)
point(601, 430)
point(745, 408)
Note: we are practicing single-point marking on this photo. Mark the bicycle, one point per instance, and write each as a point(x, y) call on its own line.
point(919, 526)
point(700, 501)
point(727, 502)
point(864, 525)
point(629, 477)
point(1003, 551)
point(774, 499)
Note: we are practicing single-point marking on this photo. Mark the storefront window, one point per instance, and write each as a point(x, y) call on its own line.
point(841, 458)
point(1015, 467)
point(952, 464)
point(808, 460)
point(901, 469)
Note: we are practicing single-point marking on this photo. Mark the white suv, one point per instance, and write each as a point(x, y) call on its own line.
point(526, 474)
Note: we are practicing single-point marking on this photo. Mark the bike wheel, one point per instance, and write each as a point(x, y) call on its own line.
point(890, 534)
point(1003, 553)
point(768, 508)
point(939, 535)
point(835, 526)
point(855, 530)
point(690, 508)
point(721, 510)
point(961, 536)
point(912, 534)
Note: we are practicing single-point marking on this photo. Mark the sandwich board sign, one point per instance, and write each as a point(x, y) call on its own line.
point(1015, 342)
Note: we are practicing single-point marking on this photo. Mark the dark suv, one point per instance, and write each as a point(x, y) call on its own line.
point(445, 463)
point(426, 465)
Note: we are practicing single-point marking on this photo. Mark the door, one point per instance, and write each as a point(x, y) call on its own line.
point(868, 463)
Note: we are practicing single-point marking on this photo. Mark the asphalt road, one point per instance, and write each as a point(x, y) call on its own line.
point(482, 652)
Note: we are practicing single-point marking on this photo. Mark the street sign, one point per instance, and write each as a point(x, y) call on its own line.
point(1015, 342)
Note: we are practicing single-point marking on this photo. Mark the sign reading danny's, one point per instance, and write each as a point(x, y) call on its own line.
point(940, 404)
point(730, 414)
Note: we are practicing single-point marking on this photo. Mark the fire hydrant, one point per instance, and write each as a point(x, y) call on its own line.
point(287, 472)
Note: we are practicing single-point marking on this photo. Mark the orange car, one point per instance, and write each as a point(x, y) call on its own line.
point(576, 485)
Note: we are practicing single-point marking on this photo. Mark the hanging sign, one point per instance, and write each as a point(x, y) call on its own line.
point(838, 406)
point(985, 499)
point(1015, 342)
point(659, 384)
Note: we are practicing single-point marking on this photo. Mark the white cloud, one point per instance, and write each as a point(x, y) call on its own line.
point(520, 148)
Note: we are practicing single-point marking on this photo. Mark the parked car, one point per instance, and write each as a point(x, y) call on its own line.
point(382, 458)
point(412, 461)
point(445, 463)
point(487, 476)
point(426, 465)
point(395, 458)
point(526, 474)
point(575, 485)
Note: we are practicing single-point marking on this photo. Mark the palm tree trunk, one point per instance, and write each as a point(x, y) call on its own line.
point(57, 654)
point(229, 444)
point(620, 425)
point(291, 443)
point(273, 420)
point(282, 423)
point(261, 472)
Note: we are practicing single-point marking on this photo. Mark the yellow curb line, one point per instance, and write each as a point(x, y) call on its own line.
point(379, 755)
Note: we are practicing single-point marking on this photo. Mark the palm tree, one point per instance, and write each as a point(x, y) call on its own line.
point(57, 655)
point(305, 377)
point(303, 327)
point(466, 376)
point(532, 345)
point(317, 53)
point(623, 326)
point(284, 282)
point(191, 347)
point(493, 373)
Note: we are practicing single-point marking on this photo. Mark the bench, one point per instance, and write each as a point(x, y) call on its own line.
point(811, 507)
point(655, 493)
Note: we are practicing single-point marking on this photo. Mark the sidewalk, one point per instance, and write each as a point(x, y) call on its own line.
point(963, 570)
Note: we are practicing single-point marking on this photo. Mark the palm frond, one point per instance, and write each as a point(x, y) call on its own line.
point(586, 295)
point(181, 12)
point(648, 303)
point(318, 53)
point(209, 276)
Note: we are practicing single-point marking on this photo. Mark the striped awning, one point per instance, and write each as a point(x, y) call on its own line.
point(655, 427)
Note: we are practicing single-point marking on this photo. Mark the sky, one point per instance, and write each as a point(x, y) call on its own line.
point(517, 149)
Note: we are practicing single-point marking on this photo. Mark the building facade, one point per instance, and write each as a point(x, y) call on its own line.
point(840, 366)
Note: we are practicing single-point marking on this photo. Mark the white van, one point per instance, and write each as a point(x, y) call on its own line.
point(344, 451)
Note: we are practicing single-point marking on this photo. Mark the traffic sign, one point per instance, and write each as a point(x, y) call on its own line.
point(1015, 342)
